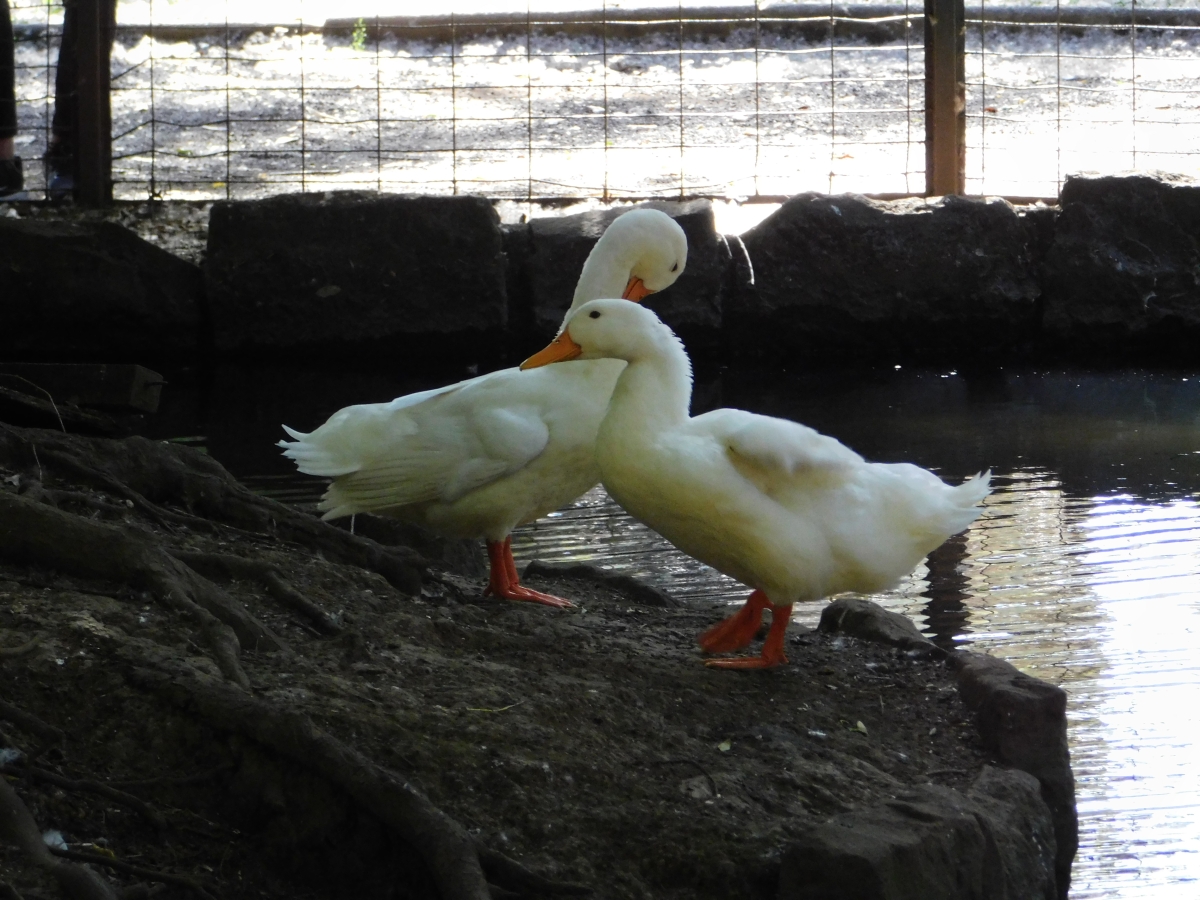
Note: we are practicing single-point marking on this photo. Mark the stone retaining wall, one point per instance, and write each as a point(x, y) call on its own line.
point(1110, 277)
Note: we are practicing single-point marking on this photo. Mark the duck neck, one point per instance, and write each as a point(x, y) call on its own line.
point(652, 394)
point(604, 275)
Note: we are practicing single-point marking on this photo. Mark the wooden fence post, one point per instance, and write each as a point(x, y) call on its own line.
point(945, 97)
point(95, 103)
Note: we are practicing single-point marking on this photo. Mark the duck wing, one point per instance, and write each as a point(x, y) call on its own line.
point(436, 445)
point(776, 449)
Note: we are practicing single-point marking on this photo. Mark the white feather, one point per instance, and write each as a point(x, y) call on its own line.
point(772, 503)
point(477, 458)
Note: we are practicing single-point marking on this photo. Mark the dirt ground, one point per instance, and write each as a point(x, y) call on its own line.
point(591, 746)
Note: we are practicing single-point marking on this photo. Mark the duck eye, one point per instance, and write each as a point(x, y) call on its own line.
point(593, 315)
point(675, 268)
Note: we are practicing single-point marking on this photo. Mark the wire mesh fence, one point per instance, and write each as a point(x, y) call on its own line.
point(1055, 88)
point(37, 36)
point(759, 100)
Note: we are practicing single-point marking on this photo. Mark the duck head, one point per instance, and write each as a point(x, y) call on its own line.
point(605, 329)
point(641, 252)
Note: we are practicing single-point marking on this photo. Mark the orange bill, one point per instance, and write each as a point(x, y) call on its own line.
point(560, 349)
point(636, 290)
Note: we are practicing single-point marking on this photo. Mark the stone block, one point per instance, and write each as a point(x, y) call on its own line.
point(1122, 276)
point(95, 292)
point(871, 622)
point(356, 273)
point(1024, 722)
point(930, 843)
point(845, 278)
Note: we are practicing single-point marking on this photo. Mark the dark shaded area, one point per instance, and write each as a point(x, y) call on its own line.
point(1122, 276)
point(845, 278)
point(95, 292)
point(326, 272)
point(1023, 721)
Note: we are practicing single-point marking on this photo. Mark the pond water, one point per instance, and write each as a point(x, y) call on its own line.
point(1084, 569)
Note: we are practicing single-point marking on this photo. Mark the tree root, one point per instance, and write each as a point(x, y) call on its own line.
point(23, 650)
point(446, 848)
point(510, 875)
point(18, 826)
point(59, 497)
point(454, 859)
point(35, 533)
point(29, 722)
point(173, 780)
point(150, 473)
point(97, 859)
point(92, 787)
point(217, 565)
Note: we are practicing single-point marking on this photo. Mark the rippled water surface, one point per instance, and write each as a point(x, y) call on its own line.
point(1084, 570)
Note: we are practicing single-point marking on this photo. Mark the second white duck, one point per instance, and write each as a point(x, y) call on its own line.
point(478, 458)
point(792, 513)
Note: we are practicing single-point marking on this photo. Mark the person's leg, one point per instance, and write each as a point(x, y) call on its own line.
point(60, 155)
point(11, 178)
point(8, 87)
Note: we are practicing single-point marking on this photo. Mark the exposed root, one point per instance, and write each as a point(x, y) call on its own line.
point(149, 473)
point(34, 533)
point(510, 875)
point(92, 787)
point(117, 865)
point(79, 498)
point(219, 565)
point(448, 851)
point(29, 722)
point(18, 826)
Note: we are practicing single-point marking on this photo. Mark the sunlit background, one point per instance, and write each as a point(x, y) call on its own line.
point(726, 100)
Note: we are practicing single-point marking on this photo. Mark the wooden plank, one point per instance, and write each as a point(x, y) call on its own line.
point(945, 98)
point(116, 387)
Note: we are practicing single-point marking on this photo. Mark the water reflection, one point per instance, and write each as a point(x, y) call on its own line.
point(1084, 569)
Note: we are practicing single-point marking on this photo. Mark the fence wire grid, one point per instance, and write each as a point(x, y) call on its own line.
point(757, 101)
point(1055, 89)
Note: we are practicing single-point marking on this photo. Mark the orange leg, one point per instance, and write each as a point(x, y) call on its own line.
point(510, 564)
point(504, 581)
point(739, 629)
point(772, 652)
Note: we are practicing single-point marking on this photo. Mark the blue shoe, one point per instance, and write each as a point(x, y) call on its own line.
point(61, 186)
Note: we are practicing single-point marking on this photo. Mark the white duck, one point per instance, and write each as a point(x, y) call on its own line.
point(790, 512)
point(480, 457)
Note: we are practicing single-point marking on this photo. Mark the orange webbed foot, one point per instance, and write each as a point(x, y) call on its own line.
point(739, 629)
point(520, 592)
point(772, 653)
point(505, 583)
